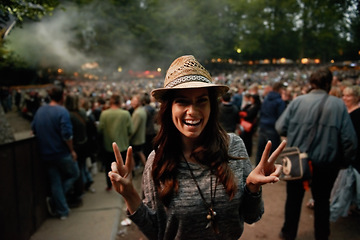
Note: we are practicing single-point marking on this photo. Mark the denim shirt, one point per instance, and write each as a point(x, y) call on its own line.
point(335, 140)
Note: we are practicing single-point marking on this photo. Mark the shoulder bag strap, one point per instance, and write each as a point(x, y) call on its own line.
point(316, 123)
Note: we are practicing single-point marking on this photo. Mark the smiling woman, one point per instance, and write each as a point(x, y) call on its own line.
point(351, 97)
point(198, 183)
point(190, 112)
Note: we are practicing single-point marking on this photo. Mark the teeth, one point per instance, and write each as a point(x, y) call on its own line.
point(192, 122)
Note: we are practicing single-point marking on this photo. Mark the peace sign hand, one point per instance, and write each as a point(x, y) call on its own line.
point(121, 175)
point(266, 171)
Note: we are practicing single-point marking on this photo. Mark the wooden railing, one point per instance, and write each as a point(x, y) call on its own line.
point(23, 189)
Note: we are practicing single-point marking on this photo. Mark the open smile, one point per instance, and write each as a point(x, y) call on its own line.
point(192, 122)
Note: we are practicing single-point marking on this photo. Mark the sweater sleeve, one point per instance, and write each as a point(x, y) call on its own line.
point(252, 205)
point(151, 214)
point(145, 219)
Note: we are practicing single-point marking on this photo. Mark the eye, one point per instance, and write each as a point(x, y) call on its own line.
point(181, 101)
point(203, 100)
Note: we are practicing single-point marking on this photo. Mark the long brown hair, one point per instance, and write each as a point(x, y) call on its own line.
point(213, 152)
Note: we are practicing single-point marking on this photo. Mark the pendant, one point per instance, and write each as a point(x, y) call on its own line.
point(212, 221)
point(208, 225)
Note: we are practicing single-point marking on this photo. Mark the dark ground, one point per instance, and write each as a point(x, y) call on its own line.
point(267, 228)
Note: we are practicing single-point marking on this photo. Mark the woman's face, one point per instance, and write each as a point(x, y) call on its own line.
point(191, 111)
point(349, 98)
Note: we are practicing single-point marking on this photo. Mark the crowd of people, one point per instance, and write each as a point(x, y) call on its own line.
point(76, 134)
point(69, 120)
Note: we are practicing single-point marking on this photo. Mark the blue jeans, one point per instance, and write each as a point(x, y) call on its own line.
point(62, 174)
point(85, 174)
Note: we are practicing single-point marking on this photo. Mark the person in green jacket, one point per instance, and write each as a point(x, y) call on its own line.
point(115, 125)
point(137, 139)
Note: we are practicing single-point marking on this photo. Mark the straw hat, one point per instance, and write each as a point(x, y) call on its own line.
point(187, 72)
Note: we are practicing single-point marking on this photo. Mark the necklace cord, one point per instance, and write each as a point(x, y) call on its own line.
point(211, 212)
point(197, 185)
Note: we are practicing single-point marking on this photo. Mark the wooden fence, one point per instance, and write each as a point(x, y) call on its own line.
point(23, 190)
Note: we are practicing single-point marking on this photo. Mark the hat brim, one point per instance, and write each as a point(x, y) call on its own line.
point(160, 93)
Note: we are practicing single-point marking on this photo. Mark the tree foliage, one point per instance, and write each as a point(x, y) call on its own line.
point(153, 32)
point(21, 9)
point(16, 11)
point(324, 28)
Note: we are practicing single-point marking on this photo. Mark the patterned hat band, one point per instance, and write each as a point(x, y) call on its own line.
point(188, 78)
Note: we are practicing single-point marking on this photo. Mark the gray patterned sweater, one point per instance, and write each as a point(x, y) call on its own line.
point(185, 218)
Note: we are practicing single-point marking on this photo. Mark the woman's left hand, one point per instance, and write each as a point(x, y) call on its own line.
point(266, 171)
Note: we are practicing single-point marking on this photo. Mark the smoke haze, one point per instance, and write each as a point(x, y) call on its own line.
point(54, 41)
point(48, 42)
point(70, 37)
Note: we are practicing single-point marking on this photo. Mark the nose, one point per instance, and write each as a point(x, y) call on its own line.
point(191, 109)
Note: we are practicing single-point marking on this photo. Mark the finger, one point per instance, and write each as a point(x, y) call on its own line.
point(114, 176)
point(129, 160)
point(277, 152)
point(114, 167)
point(266, 152)
point(116, 179)
point(277, 172)
point(118, 157)
point(274, 179)
point(268, 179)
point(262, 179)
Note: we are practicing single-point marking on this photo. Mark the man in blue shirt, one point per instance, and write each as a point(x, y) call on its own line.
point(332, 147)
point(53, 129)
point(238, 97)
point(271, 109)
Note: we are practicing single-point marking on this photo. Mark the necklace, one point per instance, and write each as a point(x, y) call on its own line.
point(211, 213)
